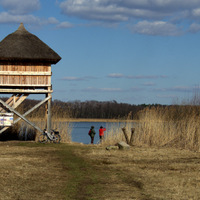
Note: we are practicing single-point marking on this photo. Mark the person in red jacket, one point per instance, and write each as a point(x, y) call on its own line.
point(101, 133)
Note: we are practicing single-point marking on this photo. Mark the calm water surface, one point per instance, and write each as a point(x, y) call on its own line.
point(80, 130)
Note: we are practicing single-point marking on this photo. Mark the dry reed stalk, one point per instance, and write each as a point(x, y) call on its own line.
point(63, 126)
point(177, 127)
point(157, 129)
point(114, 133)
point(21, 131)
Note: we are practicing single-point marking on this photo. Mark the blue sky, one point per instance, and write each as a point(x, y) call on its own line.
point(131, 51)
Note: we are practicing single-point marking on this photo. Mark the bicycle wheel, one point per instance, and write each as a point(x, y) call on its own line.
point(57, 138)
point(43, 138)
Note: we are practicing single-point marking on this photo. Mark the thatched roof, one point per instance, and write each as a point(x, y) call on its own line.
point(22, 46)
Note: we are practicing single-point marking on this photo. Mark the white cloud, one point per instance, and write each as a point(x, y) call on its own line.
point(119, 75)
point(159, 4)
point(52, 20)
point(156, 28)
point(136, 89)
point(92, 89)
point(166, 96)
point(146, 77)
point(6, 17)
point(111, 89)
point(64, 25)
point(196, 12)
point(20, 6)
point(182, 89)
point(93, 10)
point(116, 75)
point(72, 78)
point(17, 11)
point(148, 84)
point(176, 89)
point(9, 18)
point(150, 17)
point(194, 28)
point(118, 10)
point(106, 10)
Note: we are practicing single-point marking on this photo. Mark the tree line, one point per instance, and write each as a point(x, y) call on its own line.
point(86, 109)
point(102, 109)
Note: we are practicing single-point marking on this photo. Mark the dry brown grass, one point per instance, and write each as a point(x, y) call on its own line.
point(143, 173)
point(149, 173)
point(29, 173)
point(160, 127)
point(63, 126)
point(114, 133)
point(157, 129)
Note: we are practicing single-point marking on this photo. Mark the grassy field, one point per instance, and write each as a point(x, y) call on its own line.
point(29, 170)
point(162, 163)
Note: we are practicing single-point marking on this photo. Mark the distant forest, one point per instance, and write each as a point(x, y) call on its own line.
point(87, 109)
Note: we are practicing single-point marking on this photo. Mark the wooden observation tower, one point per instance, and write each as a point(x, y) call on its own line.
point(25, 68)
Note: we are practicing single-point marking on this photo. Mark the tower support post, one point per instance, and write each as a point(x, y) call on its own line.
point(48, 112)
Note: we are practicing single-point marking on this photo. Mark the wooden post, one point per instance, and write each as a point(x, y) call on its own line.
point(49, 113)
point(132, 136)
point(125, 134)
point(14, 100)
point(46, 113)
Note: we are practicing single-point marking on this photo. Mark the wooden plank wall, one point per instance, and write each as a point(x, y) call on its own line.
point(25, 75)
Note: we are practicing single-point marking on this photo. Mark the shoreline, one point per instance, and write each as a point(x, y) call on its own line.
point(94, 120)
point(84, 120)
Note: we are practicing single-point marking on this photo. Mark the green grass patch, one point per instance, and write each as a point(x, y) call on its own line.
point(84, 178)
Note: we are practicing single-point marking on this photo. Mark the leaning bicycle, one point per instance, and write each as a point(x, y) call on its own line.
point(54, 136)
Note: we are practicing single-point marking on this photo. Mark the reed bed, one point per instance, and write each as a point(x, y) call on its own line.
point(23, 131)
point(172, 126)
point(114, 132)
point(162, 126)
point(63, 126)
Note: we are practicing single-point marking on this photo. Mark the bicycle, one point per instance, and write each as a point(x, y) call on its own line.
point(52, 137)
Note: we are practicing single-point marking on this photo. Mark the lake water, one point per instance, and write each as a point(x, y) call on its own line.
point(80, 130)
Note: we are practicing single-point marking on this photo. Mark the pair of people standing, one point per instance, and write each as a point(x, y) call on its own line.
point(92, 133)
